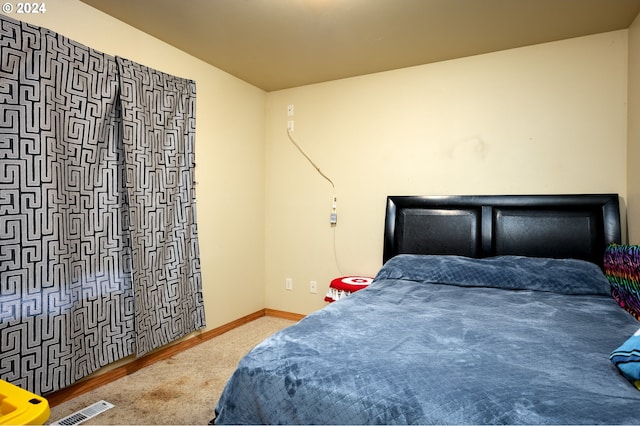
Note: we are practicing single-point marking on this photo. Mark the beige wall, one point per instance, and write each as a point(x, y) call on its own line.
point(549, 118)
point(633, 155)
point(230, 127)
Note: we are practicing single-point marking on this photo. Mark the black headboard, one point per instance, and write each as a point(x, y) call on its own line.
point(557, 226)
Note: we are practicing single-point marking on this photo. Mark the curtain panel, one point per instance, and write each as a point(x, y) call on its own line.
point(159, 130)
point(98, 241)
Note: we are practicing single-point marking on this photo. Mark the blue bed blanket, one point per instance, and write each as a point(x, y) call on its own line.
point(447, 340)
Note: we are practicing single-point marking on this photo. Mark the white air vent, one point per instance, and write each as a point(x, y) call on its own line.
point(84, 414)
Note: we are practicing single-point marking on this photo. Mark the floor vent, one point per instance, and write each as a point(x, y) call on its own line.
point(84, 414)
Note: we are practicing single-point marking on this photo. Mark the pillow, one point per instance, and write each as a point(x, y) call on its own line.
point(566, 276)
point(622, 267)
point(627, 359)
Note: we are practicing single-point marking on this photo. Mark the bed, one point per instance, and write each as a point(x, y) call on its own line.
point(487, 310)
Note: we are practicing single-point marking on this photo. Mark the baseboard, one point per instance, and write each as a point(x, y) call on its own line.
point(283, 314)
point(94, 382)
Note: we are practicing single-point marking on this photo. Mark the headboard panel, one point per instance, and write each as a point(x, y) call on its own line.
point(558, 226)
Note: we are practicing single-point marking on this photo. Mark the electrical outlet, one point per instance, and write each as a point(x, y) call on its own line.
point(313, 287)
point(288, 284)
point(290, 126)
point(290, 110)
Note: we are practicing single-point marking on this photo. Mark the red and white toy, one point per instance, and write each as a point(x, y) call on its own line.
point(344, 286)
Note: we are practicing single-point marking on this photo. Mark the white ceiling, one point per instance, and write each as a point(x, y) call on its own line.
point(278, 44)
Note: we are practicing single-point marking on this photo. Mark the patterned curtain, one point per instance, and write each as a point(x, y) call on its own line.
point(159, 130)
point(75, 292)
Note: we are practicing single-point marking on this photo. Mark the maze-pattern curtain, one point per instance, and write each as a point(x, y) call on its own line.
point(74, 293)
point(159, 129)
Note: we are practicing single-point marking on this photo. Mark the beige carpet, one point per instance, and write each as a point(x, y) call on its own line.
point(183, 389)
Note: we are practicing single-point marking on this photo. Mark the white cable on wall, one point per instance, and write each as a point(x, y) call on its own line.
point(334, 217)
point(310, 160)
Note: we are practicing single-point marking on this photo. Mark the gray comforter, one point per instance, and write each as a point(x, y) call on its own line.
point(447, 340)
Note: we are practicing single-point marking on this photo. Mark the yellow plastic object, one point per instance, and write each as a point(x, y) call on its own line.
point(21, 407)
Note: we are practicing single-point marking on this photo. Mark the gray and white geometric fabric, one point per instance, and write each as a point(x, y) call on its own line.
point(159, 133)
point(73, 290)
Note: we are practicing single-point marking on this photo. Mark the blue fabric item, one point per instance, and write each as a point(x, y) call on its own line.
point(567, 276)
point(627, 359)
point(405, 351)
